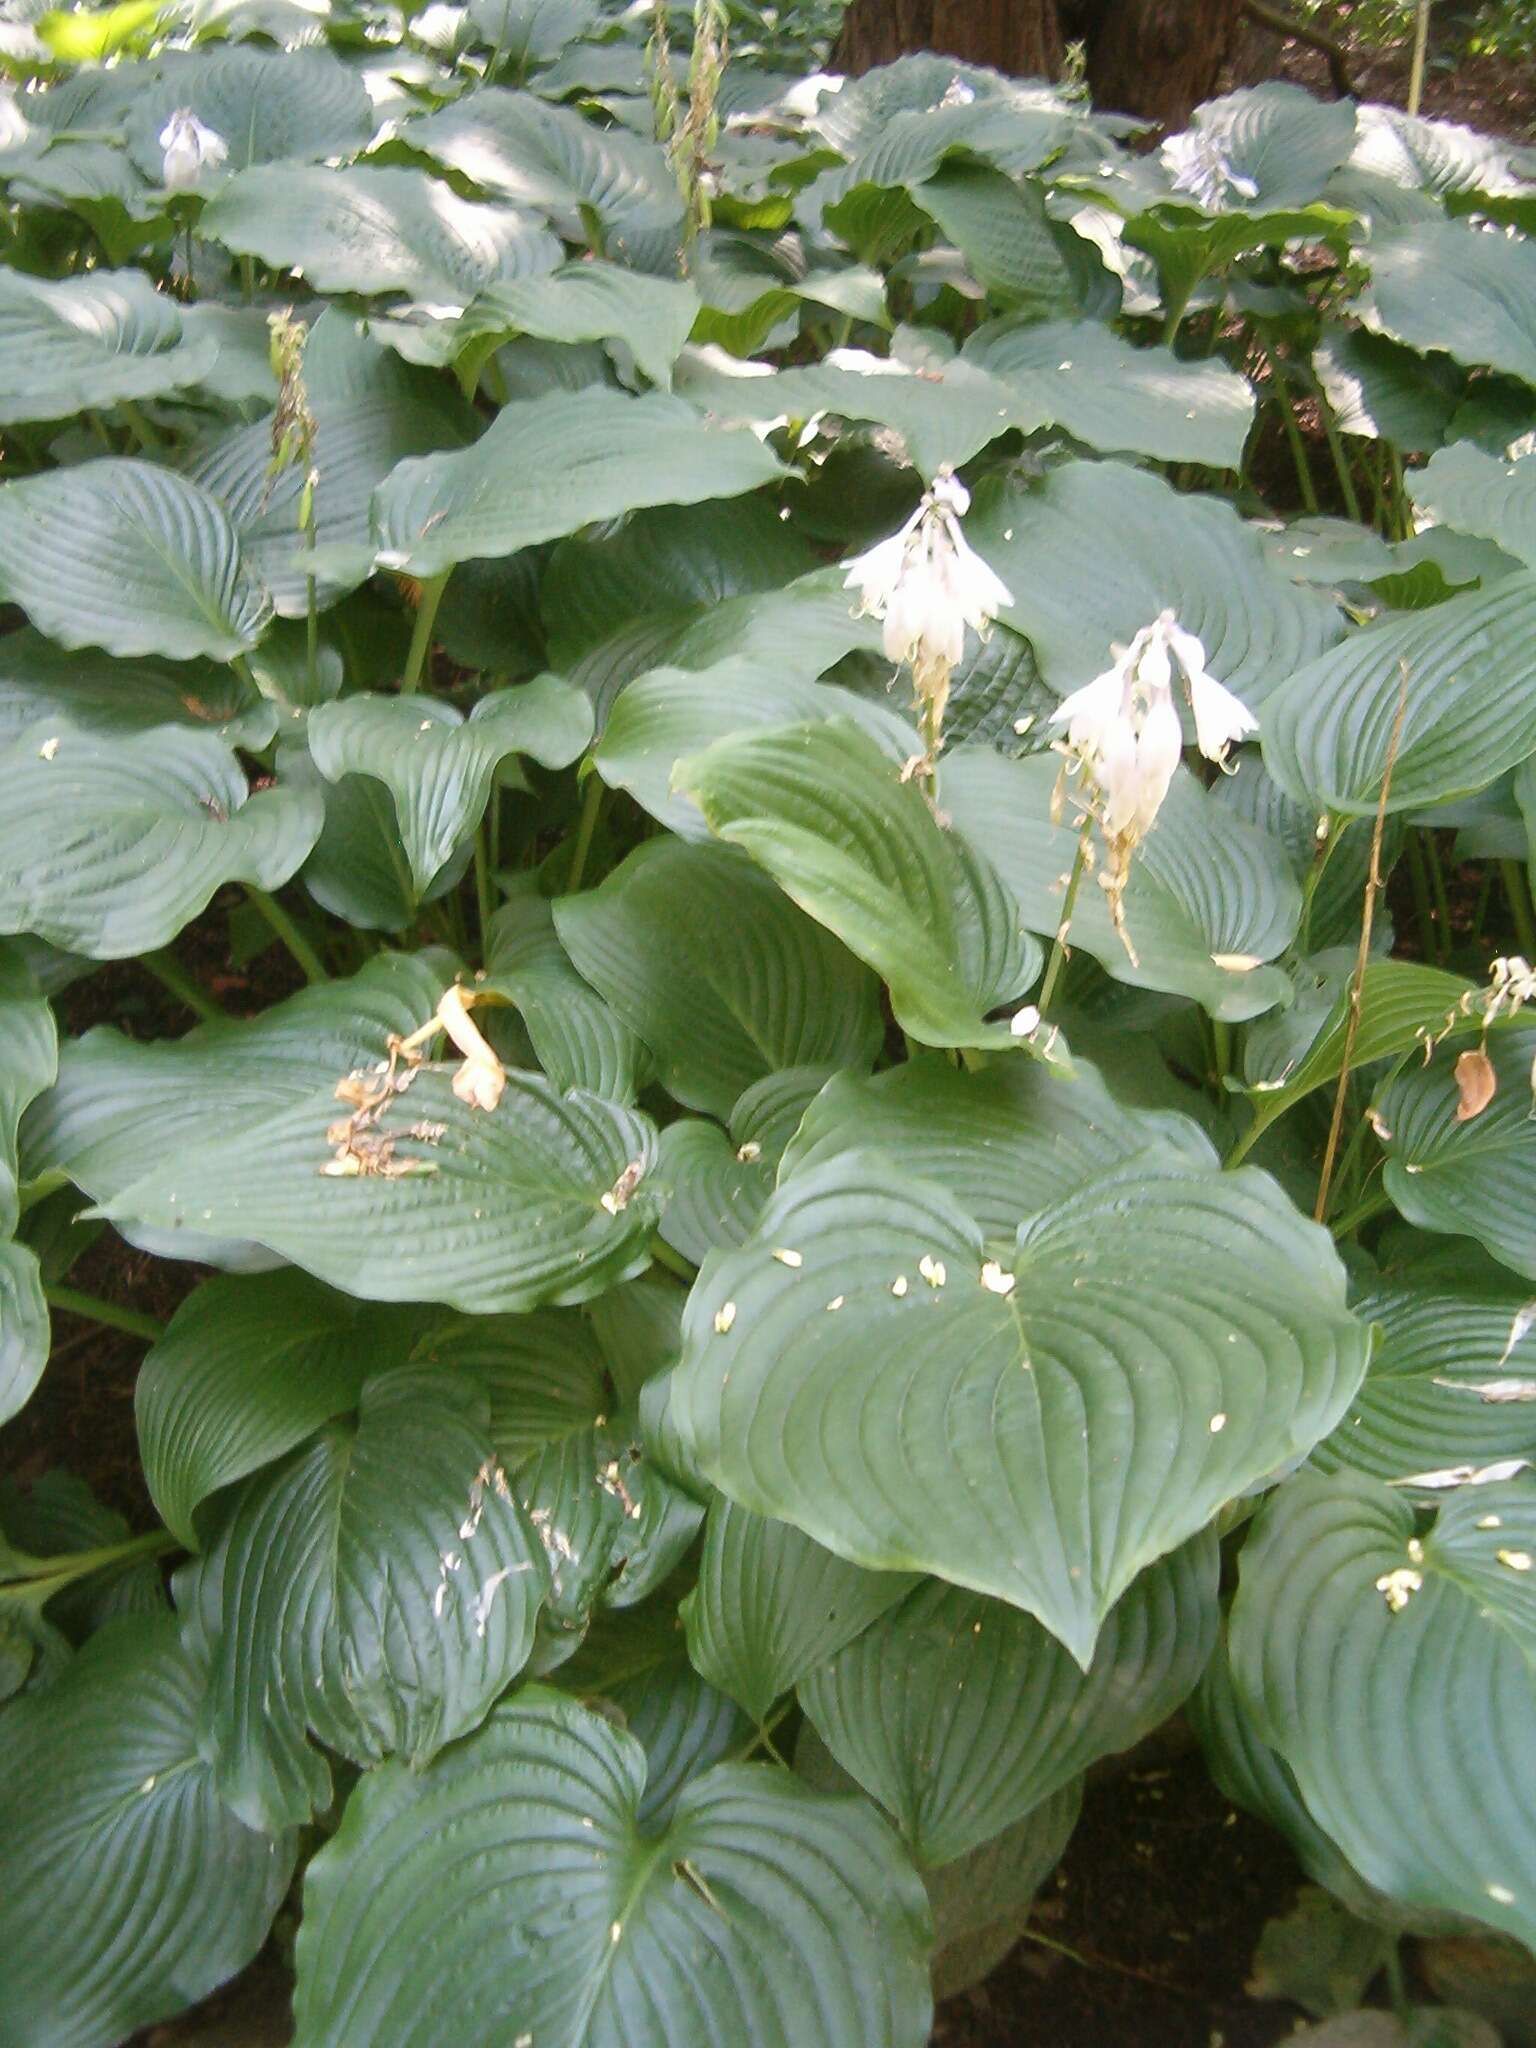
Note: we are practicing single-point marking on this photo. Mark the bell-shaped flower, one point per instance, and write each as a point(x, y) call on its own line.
point(190, 149)
point(1198, 167)
point(480, 1079)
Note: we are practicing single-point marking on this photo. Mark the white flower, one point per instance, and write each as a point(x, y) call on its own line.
point(928, 584)
point(1199, 168)
point(190, 149)
point(1124, 726)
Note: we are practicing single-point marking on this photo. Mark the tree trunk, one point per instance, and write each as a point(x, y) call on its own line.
point(1020, 37)
point(1156, 58)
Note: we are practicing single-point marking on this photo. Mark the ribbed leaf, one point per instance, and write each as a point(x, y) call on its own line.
point(438, 765)
point(1397, 1677)
point(94, 693)
point(1477, 493)
point(578, 457)
point(110, 844)
point(651, 316)
point(1280, 137)
point(128, 556)
point(288, 106)
point(827, 813)
point(73, 342)
point(1433, 156)
point(717, 972)
point(765, 1915)
point(1096, 550)
point(1452, 287)
point(579, 1041)
point(379, 1589)
point(1011, 246)
point(247, 1369)
point(375, 229)
point(771, 1606)
point(960, 1714)
point(127, 1889)
point(1385, 391)
point(878, 1392)
point(484, 1210)
point(1210, 898)
point(1471, 706)
point(718, 1183)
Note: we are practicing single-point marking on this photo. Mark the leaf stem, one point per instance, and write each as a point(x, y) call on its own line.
point(586, 825)
point(171, 975)
point(485, 896)
point(1059, 953)
point(46, 1576)
point(1423, 910)
point(1517, 888)
point(1282, 397)
point(421, 634)
point(1363, 1211)
point(674, 1262)
point(288, 931)
point(74, 1303)
point(149, 440)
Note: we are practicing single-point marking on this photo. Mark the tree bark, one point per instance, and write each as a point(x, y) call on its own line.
point(1156, 58)
point(1020, 37)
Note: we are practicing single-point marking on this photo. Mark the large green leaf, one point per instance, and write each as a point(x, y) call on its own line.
point(1281, 138)
point(1011, 246)
point(439, 766)
point(1009, 1141)
point(287, 106)
point(1097, 549)
point(1210, 898)
point(543, 1199)
point(1474, 492)
point(128, 556)
point(555, 160)
point(771, 1605)
point(91, 691)
point(827, 813)
point(1434, 156)
point(380, 1589)
point(127, 1889)
point(718, 972)
point(887, 1389)
point(358, 870)
point(1396, 1674)
point(28, 1065)
point(247, 1369)
point(651, 316)
point(718, 1182)
point(1452, 1386)
point(517, 1864)
point(109, 845)
point(668, 714)
point(24, 1330)
point(1189, 246)
point(579, 1041)
point(1465, 290)
point(960, 1714)
point(1475, 1178)
point(1081, 375)
point(74, 342)
point(375, 229)
point(1380, 389)
point(1471, 705)
point(579, 457)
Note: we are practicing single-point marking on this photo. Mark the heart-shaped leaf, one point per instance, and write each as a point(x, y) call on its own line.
point(41, 680)
point(288, 106)
point(1449, 286)
point(579, 1041)
point(1475, 492)
point(720, 1182)
point(73, 342)
point(651, 316)
point(863, 1369)
point(524, 1843)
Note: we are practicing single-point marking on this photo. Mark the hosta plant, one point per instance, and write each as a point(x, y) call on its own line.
point(867, 752)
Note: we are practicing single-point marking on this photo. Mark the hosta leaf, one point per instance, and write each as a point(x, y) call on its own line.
point(583, 456)
point(1188, 246)
point(718, 1183)
point(1380, 389)
point(881, 1395)
point(1367, 1654)
point(438, 765)
point(358, 870)
point(498, 1209)
point(24, 1330)
point(1281, 138)
point(288, 106)
point(1435, 156)
point(579, 1041)
point(247, 1369)
point(1209, 899)
point(826, 812)
point(683, 1725)
point(91, 691)
point(670, 714)
point(57, 1513)
point(28, 1065)
point(375, 229)
point(128, 556)
point(597, 301)
point(1081, 375)
point(1452, 1386)
point(1011, 245)
point(555, 160)
point(1096, 550)
point(900, 120)
point(809, 1928)
point(960, 1714)
point(1009, 1141)
point(981, 1902)
point(1471, 706)
point(379, 1589)
point(74, 342)
point(531, 32)
point(717, 972)
point(109, 845)
point(1474, 492)
point(129, 1890)
point(771, 1605)
point(1475, 1178)
point(1467, 291)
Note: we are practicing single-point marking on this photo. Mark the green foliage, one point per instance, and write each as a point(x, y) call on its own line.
point(788, 1256)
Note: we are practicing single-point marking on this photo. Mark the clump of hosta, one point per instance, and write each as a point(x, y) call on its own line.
point(190, 149)
point(929, 584)
point(1125, 738)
